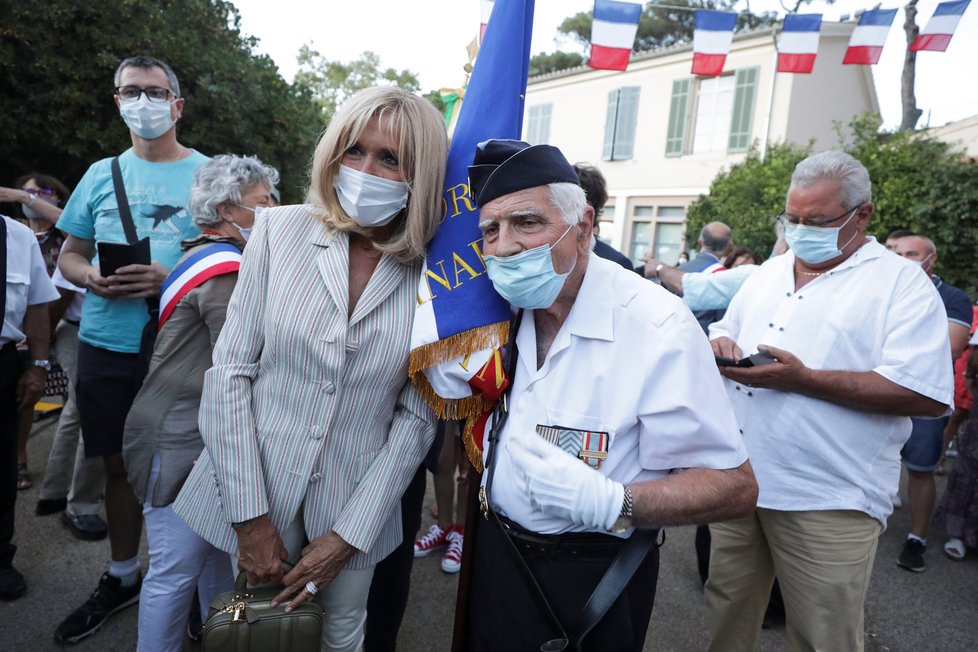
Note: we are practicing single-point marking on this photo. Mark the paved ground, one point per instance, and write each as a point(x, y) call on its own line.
point(935, 610)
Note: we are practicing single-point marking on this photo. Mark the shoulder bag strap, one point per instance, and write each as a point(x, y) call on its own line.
point(3, 269)
point(125, 215)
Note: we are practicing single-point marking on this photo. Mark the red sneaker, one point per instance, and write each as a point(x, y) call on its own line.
point(434, 540)
point(452, 561)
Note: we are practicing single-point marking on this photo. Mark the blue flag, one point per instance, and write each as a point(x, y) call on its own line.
point(460, 318)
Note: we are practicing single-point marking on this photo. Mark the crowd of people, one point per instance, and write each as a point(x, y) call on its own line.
point(236, 378)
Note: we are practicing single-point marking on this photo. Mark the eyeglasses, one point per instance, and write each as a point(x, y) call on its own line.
point(153, 93)
point(43, 192)
point(785, 219)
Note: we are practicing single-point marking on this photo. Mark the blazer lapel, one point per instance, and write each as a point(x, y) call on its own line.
point(333, 261)
point(382, 284)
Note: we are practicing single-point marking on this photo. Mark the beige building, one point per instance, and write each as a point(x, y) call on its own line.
point(961, 134)
point(660, 135)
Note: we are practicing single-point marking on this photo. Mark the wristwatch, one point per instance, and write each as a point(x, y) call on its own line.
point(624, 520)
point(43, 364)
point(658, 268)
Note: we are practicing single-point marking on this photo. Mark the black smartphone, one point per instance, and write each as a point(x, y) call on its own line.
point(755, 360)
point(113, 255)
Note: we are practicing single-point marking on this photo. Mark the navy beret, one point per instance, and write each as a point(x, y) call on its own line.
point(501, 167)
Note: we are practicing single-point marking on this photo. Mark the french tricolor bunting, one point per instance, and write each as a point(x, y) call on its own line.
point(937, 33)
point(798, 43)
point(613, 33)
point(712, 36)
point(866, 42)
point(461, 323)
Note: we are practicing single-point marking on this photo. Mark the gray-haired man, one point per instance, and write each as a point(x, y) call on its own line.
point(858, 343)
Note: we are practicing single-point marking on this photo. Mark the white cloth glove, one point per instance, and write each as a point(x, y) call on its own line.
point(563, 486)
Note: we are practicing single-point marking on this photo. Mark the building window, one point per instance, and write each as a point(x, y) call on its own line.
point(658, 231)
point(538, 124)
point(607, 231)
point(620, 122)
point(712, 115)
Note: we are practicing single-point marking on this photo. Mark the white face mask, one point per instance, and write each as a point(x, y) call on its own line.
point(368, 200)
point(243, 230)
point(149, 120)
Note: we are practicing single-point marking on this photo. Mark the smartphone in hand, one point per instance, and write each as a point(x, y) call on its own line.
point(756, 360)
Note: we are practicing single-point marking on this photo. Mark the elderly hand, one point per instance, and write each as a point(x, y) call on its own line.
point(138, 281)
point(563, 486)
point(724, 347)
point(787, 373)
point(260, 551)
point(650, 265)
point(321, 561)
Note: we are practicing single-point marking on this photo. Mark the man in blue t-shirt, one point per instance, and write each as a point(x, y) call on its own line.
point(922, 452)
point(156, 173)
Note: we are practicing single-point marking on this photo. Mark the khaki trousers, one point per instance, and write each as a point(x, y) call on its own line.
point(823, 561)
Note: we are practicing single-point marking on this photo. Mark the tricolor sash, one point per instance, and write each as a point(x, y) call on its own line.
point(213, 260)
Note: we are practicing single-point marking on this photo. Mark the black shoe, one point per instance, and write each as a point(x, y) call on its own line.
point(89, 527)
point(48, 506)
point(912, 557)
point(108, 598)
point(195, 628)
point(12, 584)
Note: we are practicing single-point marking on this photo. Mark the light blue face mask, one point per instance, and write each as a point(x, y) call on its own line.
point(816, 244)
point(528, 279)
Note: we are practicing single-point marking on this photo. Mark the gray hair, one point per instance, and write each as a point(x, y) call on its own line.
point(570, 201)
point(855, 186)
point(146, 63)
point(223, 179)
point(715, 237)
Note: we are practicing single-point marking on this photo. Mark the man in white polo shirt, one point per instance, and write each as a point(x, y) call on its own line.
point(859, 343)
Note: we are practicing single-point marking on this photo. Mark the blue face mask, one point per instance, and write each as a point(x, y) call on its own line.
point(816, 244)
point(528, 279)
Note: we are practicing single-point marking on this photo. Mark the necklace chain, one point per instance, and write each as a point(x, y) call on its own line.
point(809, 273)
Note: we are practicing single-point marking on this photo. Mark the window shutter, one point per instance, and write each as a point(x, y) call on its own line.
point(743, 110)
point(624, 147)
point(610, 121)
point(678, 117)
point(538, 124)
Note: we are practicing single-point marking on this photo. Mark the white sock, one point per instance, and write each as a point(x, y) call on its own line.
point(914, 536)
point(127, 571)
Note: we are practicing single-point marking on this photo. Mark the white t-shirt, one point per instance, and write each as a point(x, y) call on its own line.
point(73, 312)
point(874, 312)
point(630, 361)
point(27, 280)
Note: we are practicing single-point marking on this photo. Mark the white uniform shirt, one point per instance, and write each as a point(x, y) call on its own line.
point(74, 310)
point(629, 360)
point(874, 312)
point(27, 280)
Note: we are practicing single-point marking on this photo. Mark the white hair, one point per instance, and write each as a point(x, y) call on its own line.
point(856, 188)
point(223, 179)
point(569, 200)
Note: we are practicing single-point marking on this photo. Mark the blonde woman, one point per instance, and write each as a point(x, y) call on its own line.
point(311, 428)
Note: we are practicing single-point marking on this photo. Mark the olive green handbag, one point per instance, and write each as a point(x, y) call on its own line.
point(242, 621)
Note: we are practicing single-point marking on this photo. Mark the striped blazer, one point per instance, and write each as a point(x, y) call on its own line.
point(305, 409)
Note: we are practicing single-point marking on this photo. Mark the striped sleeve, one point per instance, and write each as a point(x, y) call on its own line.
point(227, 424)
point(387, 477)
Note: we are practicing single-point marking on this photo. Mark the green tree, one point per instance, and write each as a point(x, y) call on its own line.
point(331, 82)
point(919, 183)
point(57, 60)
point(543, 63)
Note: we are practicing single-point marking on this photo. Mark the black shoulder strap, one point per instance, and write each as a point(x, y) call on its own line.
point(120, 197)
point(3, 269)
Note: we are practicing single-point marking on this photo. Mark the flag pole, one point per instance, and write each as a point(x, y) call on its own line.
point(770, 101)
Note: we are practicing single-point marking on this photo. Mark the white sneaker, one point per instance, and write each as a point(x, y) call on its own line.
point(452, 561)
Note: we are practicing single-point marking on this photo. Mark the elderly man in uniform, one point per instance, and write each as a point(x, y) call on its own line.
point(25, 291)
point(616, 423)
point(856, 343)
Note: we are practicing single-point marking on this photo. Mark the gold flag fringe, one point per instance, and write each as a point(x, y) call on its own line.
point(446, 350)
